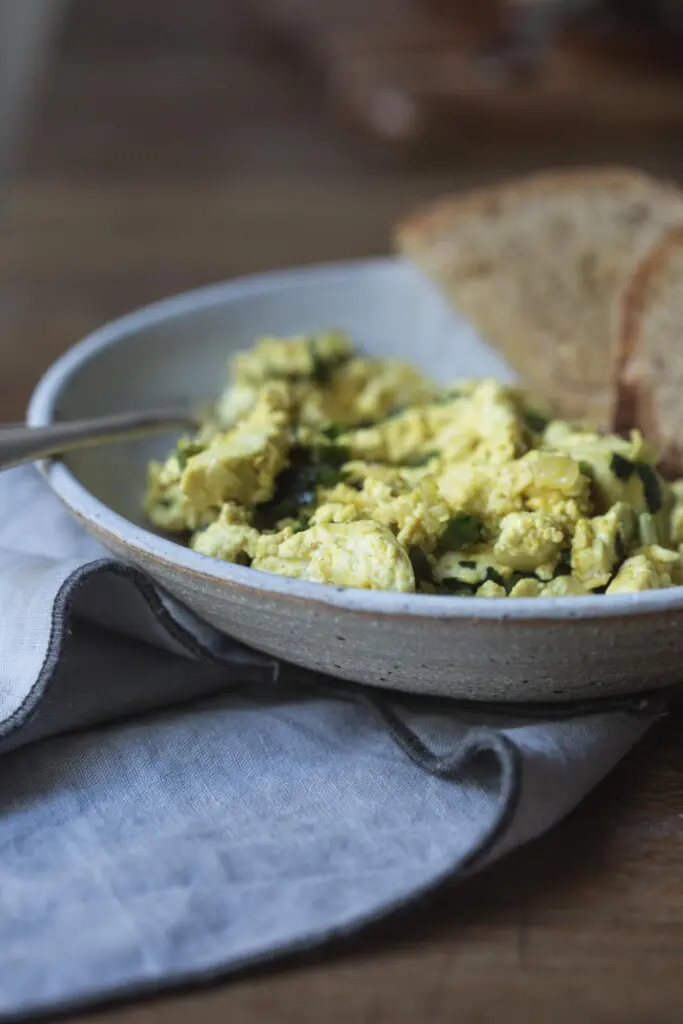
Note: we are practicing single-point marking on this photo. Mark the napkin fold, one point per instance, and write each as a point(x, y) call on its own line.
point(175, 806)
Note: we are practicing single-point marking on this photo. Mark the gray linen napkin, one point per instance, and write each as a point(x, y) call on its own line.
point(174, 806)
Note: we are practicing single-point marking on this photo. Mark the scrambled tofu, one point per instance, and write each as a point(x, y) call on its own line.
point(323, 464)
point(361, 554)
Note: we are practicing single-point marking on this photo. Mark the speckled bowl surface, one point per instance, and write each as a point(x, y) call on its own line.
point(539, 649)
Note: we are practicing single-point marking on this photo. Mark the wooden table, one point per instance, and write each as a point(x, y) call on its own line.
point(172, 151)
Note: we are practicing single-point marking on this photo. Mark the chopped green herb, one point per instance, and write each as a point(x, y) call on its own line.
point(452, 585)
point(420, 563)
point(445, 397)
point(397, 410)
point(535, 421)
point(323, 369)
point(564, 564)
point(621, 552)
point(420, 459)
point(329, 455)
point(309, 468)
point(648, 478)
point(164, 502)
point(462, 530)
point(563, 567)
point(517, 577)
point(621, 467)
point(586, 468)
point(494, 576)
point(328, 476)
point(185, 450)
point(333, 431)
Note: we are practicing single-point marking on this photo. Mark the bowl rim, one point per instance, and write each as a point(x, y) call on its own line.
point(102, 519)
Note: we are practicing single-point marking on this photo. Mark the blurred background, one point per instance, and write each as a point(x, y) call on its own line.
point(150, 146)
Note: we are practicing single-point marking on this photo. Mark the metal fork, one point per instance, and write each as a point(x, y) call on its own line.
point(19, 443)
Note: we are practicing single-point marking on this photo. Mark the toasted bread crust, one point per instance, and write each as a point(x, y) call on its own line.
point(585, 376)
point(636, 404)
point(419, 229)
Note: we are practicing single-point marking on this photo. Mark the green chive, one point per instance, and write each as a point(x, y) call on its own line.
point(445, 397)
point(457, 587)
point(324, 368)
point(397, 410)
point(420, 563)
point(333, 431)
point(564, 566)
point(185, 450)
point(535, 421)
point(517, 577)
point(648, 478)
point(461, 530)
point(420, 459)
point(621, 468)
point(494, 576)
point(329, 455)
point(296, 485)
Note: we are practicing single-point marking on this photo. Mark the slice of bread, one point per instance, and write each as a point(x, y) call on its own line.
point(536, 266)
point(650, 350)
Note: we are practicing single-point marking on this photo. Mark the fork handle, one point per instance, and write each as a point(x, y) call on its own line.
point(26, 444)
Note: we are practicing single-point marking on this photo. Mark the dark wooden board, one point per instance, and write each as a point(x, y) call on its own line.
point(410, 75)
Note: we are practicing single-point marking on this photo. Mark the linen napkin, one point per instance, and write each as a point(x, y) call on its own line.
point(175, 806)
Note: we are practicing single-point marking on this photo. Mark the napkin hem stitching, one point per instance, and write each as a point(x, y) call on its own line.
point(62, 611)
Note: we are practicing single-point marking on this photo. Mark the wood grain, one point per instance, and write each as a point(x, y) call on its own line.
point(174, 149)
point(414, 75)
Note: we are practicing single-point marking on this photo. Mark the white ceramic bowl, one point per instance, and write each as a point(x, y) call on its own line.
point(523, 650)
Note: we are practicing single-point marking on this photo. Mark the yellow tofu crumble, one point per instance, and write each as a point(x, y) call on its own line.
point(323, 464)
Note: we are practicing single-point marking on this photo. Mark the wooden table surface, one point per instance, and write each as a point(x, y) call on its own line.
point(174, 149)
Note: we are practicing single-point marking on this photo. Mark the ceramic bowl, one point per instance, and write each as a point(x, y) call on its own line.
point(543, 649)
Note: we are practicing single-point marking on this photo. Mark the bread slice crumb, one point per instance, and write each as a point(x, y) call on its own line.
point(537, 265)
